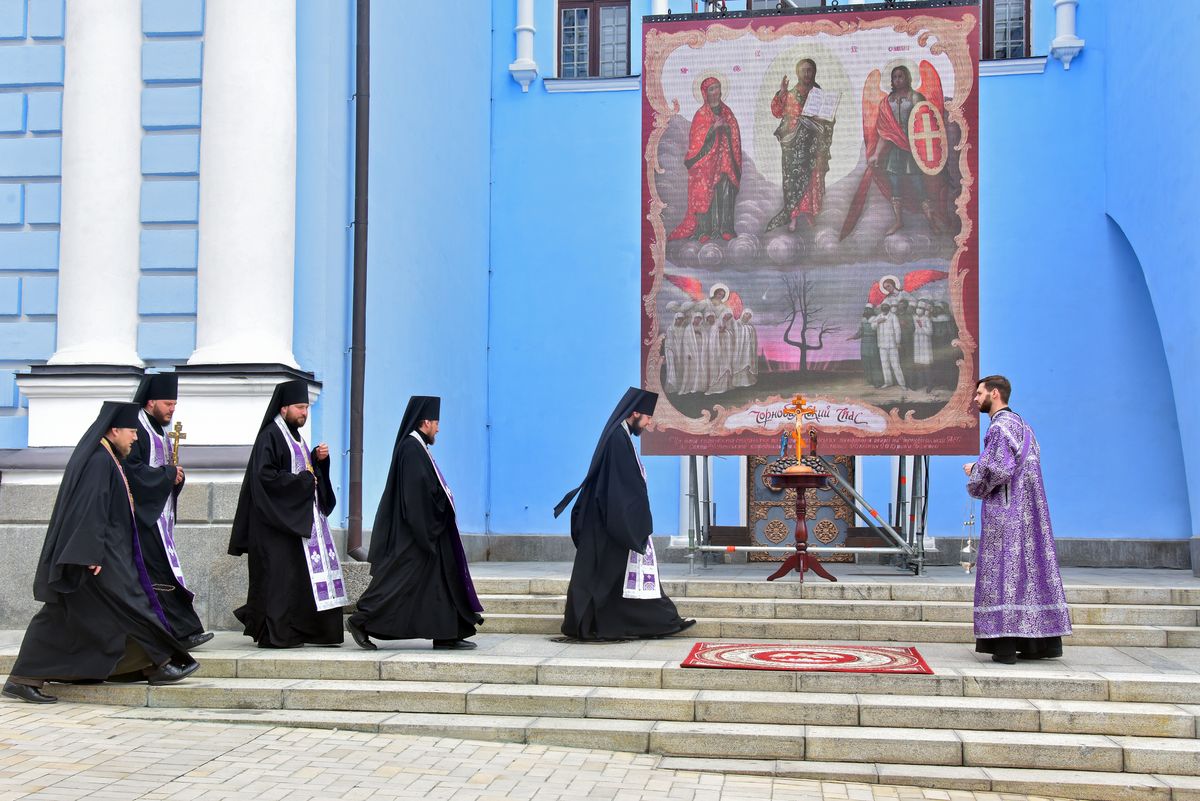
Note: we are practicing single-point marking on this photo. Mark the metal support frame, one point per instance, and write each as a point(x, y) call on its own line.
point(906, 531)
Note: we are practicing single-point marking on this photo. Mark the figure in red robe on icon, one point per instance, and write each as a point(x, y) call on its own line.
point(904, 133)
point(714, 165)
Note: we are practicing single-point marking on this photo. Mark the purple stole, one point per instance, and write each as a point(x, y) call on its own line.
point(160, 455)
point(320, 554)
point(641, 571)
point(138, 562)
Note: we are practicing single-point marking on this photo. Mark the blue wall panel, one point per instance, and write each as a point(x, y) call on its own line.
point(171, 154)
point(8, 387)
point(11, 204)
point(171, 61)
point(31, 66)
point(172, 17)
point(170, 201)
point(10, 296)
point(168, 249)
point(166, 107)
point(42, 202)
point(27, 340)
point(28, 250)
point(12, 113)
point(12, 19)
point(30, 158)
point(46, 19)
point(166, 340)
point(39, 295)
point(167, 294)
point(45, 112)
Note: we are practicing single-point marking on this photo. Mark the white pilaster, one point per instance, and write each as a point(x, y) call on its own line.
point(524, 68)
point(247, 184)
point(659, 8)
point(101, 184)
point(1066, 44)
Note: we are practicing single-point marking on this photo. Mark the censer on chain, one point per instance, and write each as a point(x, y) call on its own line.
point(968, 556)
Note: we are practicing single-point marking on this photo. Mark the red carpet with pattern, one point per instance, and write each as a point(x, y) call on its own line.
point(818, 657)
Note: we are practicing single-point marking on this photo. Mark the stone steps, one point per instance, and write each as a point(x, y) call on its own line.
point(741, 707)
point(1141, 636)
point(483, 668)
point(851, 590)
point(860, 610)
point(1117, 768)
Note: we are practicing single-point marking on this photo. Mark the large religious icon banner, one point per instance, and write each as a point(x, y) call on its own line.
point(810, 200)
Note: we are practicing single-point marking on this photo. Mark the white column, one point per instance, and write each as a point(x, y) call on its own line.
point(247, 184)
point(524, 68)
point(101, 184)
point(659, 8)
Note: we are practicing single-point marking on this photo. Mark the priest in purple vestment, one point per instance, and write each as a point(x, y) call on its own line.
point(1020, 607)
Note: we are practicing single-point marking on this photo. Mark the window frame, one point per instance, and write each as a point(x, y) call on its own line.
point(988, 51)
point(593, 62)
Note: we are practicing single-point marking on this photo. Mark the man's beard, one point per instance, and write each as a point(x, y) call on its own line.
point(986, 406)
point(636, 428)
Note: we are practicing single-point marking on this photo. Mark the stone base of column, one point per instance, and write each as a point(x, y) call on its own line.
point(65, 399)
point(223, 404)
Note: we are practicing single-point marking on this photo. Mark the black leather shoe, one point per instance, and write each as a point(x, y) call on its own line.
point(457, 645)
point(171, 673)
point(360, 636)
point(1005, 660)
point(685, 625)
point(196, 640)
point(23, 692)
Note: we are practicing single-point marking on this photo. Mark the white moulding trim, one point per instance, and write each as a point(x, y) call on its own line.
point(1013, 66)
point(626, 83)
point(65, 386)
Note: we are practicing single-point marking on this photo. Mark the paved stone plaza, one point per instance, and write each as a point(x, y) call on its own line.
point(76, 751)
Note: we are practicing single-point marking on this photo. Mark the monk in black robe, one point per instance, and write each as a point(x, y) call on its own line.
point(611, 522)
point(156, 481)
point(276, 519)
point(101, 618)
point(420, 585)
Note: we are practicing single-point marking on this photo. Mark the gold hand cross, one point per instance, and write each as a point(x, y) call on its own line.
point(175, 435)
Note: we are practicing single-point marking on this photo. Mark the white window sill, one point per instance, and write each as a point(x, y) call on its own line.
point(1013, 66)
point(627, 83)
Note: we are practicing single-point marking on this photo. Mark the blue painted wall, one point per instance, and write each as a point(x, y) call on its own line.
point(172, 60)
point(427, 316)
point(324, 178)
point(1153, 180)
point(31, 76)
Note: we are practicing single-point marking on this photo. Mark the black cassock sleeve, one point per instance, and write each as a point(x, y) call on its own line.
point(325, 495)
point(282, 499)
point(624, 503)
point(151, 486)
point(83, 524)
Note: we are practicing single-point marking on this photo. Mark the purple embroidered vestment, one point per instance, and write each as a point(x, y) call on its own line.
point(1018, 589)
